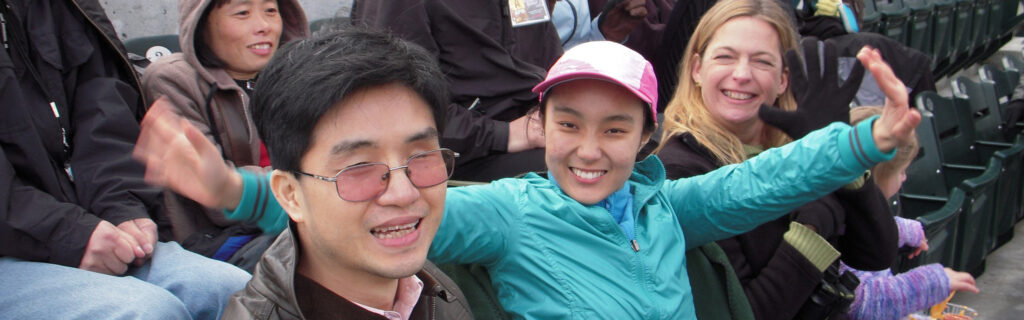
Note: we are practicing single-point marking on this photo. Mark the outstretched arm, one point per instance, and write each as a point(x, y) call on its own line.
point(736, 198)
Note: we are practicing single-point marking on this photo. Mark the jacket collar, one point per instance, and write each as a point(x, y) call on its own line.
point(274, 278)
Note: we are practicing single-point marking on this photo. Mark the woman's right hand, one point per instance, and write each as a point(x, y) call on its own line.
point(178, 156)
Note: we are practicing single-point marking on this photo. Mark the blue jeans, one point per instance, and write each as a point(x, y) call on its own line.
point(175, 284)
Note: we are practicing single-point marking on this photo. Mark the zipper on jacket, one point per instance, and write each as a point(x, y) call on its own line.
point(636, 247)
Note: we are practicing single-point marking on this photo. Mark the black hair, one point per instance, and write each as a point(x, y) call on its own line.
point(203, 52)
point(308, 77)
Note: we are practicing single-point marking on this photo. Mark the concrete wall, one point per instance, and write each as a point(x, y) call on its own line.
point(139, 18)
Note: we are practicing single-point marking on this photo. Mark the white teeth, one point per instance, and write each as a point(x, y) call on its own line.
point(260, 46)
point(587, 174)
point(737, 95)
point(393, 232)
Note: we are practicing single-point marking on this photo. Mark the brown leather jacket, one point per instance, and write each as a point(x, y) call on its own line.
point(271, 292)
point(189, 86)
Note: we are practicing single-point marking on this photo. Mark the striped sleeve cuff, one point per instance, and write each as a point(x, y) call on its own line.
point(812, 246)
point(857, 147)
point(258, 204)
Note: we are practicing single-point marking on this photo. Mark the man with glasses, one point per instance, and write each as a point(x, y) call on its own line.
point(351, 120)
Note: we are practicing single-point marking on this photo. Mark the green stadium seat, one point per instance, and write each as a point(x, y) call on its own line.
point(153, 47)
point(979, 30)
point(939, 217)
point(940, 136)
point(943, 16)
point(871, 19)
point(920, 27)
point(955, 125)
point(895, 19)
point(960, 46)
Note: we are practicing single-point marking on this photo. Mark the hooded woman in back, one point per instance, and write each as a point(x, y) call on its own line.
point(225, 44)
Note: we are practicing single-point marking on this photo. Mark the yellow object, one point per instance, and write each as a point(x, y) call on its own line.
point(938, 309)
point(827, 8)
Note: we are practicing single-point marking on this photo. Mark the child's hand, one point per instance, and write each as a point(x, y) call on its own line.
point(961, 281)
point(922, 247)
point(898, 119)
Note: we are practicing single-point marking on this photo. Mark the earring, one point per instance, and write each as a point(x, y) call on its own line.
point(697, 83)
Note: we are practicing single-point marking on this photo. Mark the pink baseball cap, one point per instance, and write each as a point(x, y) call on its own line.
point(608, 61)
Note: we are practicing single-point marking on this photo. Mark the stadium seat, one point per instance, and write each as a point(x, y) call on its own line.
point(920, 26)
point(871, 19)
point(960, 46)
point(153, 47)
point(895, 19)
point(941, 138)
point(943, 15)
point(955, 125)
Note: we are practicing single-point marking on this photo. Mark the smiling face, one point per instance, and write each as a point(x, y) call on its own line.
point(388, 236)
point(593, 131)
point(244, 34)
point(740, 69)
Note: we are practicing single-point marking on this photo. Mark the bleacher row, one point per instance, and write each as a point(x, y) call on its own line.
point(965, 186)
point(955, 33)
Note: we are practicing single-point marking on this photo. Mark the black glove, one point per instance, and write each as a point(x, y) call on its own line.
point(820, 97)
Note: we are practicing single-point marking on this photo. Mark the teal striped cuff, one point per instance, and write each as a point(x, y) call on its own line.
point(857, 147)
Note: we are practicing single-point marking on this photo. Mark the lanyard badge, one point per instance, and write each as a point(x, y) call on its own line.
point(527, 12)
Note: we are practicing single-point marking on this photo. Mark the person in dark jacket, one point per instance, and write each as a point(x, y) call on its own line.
point(733, 65)
point(358, 226)
point(76, 218)
point(490, 66)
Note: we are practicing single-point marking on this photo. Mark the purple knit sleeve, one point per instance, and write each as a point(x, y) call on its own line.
point(911, 232)
point(896, 296)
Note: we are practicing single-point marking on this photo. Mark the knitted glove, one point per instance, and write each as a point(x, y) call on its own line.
point(820, 97)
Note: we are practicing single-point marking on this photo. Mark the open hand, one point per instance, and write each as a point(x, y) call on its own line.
point(898, 119)
point(179, 157)
point(821, 98)
point(961, 281)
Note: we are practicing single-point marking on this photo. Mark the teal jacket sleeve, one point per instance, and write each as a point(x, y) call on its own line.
point(737, 198)
point(258, 204)
point(478, 223)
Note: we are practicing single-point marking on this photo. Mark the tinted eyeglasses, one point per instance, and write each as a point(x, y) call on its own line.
point(367, 181)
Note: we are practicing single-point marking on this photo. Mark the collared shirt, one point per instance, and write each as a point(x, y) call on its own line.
point(318, 302)
point(408, 293)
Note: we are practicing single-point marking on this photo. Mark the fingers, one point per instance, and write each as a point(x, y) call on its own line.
point(890, 84)
point(961, 281)
point(776, 117)
point(142, 232)
point(109, 250)
point(797, 73)
point(812, 58)
point(132, 235)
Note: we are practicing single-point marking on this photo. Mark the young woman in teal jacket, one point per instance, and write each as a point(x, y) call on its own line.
point(602, 235)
